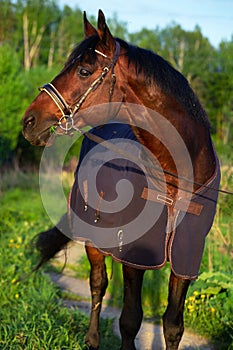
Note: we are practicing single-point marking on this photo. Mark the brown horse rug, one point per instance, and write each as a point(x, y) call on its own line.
point(113, 205)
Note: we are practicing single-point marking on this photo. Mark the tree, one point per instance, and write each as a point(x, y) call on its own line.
point(146, 38)
point(12, 102)
point(117, 27)
point(219, 92)
point(37, 19)
point(37, 33)
point(69, 33)
point(188, 51)
point(7, 20)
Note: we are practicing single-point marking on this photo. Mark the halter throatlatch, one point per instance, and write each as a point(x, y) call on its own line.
point(66, 122)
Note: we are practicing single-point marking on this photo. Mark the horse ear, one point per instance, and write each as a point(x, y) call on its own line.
point(104, 32)
point(89, 30)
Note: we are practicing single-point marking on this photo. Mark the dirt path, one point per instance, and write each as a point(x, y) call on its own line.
point(150, 336)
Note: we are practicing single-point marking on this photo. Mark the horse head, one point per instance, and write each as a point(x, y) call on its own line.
point(107, 72)
point(92, 63)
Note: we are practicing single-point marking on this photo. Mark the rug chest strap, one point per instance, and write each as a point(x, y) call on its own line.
point(180, 204)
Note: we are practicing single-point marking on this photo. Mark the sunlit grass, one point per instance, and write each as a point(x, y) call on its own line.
point(31, 311)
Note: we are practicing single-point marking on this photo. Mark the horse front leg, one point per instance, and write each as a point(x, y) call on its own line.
point(98, 285)
point(173, 323)
point(131, 316)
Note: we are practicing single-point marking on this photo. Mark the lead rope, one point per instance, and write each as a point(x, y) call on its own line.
point(114, 148)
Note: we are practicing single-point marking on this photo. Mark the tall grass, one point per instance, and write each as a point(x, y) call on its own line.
point(209, 306)
point(31, 312)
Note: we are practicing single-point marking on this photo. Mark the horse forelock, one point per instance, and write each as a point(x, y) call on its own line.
point(86, 47)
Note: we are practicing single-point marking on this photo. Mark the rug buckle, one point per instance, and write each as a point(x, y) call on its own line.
point(164, 199)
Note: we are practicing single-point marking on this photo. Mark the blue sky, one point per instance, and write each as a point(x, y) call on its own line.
point(215, 17)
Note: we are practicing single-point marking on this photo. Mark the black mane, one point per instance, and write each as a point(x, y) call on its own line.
point(154, 70)
point(157, 70)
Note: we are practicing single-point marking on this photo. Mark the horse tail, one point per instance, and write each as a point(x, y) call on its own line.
point(49, 243)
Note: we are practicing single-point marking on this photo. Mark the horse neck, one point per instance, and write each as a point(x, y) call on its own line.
point(160, 114)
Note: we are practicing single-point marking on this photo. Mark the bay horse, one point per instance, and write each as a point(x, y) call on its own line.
point(139, 88)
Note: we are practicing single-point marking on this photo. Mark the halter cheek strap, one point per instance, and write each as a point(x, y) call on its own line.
point(66, 122)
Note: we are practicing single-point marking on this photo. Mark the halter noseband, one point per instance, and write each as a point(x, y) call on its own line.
point(68, 111)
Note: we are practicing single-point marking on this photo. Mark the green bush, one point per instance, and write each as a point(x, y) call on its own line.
point(209, 307)
point(11, 84)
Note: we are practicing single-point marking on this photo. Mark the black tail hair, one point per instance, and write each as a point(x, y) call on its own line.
point(49, 243)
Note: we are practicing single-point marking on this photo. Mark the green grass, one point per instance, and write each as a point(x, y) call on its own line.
point(31, 313)
point(32, 316)
point(209, 308)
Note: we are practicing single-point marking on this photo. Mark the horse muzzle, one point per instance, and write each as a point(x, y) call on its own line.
point(37, 133)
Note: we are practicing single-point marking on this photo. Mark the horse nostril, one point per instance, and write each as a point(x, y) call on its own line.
point(29, 122)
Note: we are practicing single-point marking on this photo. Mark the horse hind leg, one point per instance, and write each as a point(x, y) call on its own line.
point(131, 316)
point(98, 285)
point(173, 323)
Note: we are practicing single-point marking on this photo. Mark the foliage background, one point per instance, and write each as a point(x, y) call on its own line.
point(36, 36)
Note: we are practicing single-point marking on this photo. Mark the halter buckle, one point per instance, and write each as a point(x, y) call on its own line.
point(106, 69)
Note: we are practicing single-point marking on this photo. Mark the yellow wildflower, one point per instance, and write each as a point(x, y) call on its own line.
point(190, 308)
point(191, 298)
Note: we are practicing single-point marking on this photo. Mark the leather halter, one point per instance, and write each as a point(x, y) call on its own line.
point(66, 122)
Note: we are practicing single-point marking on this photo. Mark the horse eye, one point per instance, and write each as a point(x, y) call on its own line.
point(83, 72)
